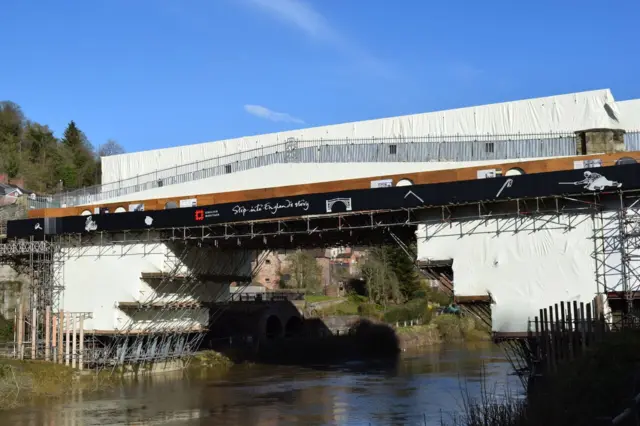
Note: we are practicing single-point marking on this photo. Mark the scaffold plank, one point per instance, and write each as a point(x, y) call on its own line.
point(24, 247)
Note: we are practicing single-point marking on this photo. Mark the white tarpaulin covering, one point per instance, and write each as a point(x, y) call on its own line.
point(523, 271)
point(630, 113)
point(578, 111)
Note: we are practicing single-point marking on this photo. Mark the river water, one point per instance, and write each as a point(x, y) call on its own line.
point(418, 390)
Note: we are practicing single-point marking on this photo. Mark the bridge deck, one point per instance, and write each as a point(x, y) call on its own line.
point(355, 209)
point(429, 177)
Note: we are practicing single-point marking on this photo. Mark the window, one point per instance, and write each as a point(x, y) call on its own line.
point(489, 148)
point(267, 262)
point(393, 149)
point(267, 280)
point(227, 168)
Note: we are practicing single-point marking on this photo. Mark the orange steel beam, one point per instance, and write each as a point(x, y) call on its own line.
point(435, 176)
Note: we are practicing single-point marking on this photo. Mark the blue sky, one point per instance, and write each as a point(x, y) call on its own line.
point(158, 73)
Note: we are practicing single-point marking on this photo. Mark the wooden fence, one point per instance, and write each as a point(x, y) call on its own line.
point(563, 332)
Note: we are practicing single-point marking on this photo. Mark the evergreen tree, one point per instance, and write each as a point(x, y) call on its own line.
point(83, 157)
point(404, 269)
point(31, 151)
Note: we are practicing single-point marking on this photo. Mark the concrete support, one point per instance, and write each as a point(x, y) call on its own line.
point(34, 328)
point(81, 346)
point(47, 333)
point(54, 338)
point(599, 141)
point(67, 353)
point(20, 329)
point(74, 341)
point(61, 338)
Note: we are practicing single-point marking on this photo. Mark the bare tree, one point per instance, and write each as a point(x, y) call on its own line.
point(110, 147)
point(304, 271)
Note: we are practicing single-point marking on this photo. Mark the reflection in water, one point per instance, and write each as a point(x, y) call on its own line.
point(418, 389)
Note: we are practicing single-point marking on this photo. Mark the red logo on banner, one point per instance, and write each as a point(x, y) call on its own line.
point(199, 215)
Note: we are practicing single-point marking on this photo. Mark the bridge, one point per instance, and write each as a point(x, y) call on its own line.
point(107, 258)
point(523, 210)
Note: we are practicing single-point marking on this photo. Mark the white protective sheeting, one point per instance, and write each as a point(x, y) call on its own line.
point(97, 279)
point(630, 114)
point(523, 271)
point(278, 175)
point(577, 111)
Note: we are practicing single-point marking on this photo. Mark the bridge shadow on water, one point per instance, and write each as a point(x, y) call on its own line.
point(367, 347)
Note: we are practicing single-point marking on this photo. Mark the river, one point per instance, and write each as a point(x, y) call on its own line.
point(416, 391)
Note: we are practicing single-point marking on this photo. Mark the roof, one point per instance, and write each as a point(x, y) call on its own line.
point(630, 114)
point(6, 189)
point(562, 113)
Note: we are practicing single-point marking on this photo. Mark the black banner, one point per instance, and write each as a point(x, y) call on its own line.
point(577, 181)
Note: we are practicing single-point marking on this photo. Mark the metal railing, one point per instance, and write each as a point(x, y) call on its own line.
point(632, 141)
point(267, 296)
point(370, 150)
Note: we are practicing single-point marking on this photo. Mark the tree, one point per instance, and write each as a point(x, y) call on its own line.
point(304, 271)
point(30, 150)
point(381, 281)
point(11, 122)
point(110, 147)
point(404, 269)
point(77, 144)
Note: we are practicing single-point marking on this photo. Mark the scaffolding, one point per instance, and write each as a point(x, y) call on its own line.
point(617, 256)
point(38, 262)
point(160, 325)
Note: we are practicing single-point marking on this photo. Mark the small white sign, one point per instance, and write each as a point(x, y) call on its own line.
point(587, 164)
point(191, 202)
point(485, 174)
point(138, 207)
point(383, 183)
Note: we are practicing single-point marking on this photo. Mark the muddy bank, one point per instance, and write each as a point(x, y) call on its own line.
point(21, 381)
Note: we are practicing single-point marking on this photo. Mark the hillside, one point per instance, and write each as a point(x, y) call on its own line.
point(46, 164)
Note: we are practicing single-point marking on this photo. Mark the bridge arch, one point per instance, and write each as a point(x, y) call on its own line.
point(293, 327)
point(273, 327)
point(338, 205)
point(404, 182)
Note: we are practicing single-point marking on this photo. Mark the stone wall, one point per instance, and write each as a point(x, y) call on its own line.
point(597, 141)
point(10, 286)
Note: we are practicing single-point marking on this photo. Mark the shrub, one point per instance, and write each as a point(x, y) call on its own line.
point(412, 310)
point(6, 329)
point(449, 327)
point(370, 310)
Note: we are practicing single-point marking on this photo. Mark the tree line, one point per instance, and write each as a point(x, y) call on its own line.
point(389, 274)
point(47, 164)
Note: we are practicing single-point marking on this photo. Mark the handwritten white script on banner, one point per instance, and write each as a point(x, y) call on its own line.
point(272, 208)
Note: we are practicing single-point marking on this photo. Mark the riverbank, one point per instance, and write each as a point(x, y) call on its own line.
point(599, 384)
point(442, 329)
point(22, 381)
point(342, 312)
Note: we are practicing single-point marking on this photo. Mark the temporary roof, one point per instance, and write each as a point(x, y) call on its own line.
point(563, 113)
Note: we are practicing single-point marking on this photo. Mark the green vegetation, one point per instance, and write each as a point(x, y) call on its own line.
point(599, 384)
point(24, 380)
point(6, 330)
point(210, 360)
point(303, 272)
point(30, 150)
point(315, 298)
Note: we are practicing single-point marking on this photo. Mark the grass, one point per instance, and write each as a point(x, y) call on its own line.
point(314, 298)
point(21, 381)
point(210, 360)
point(598, 384)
